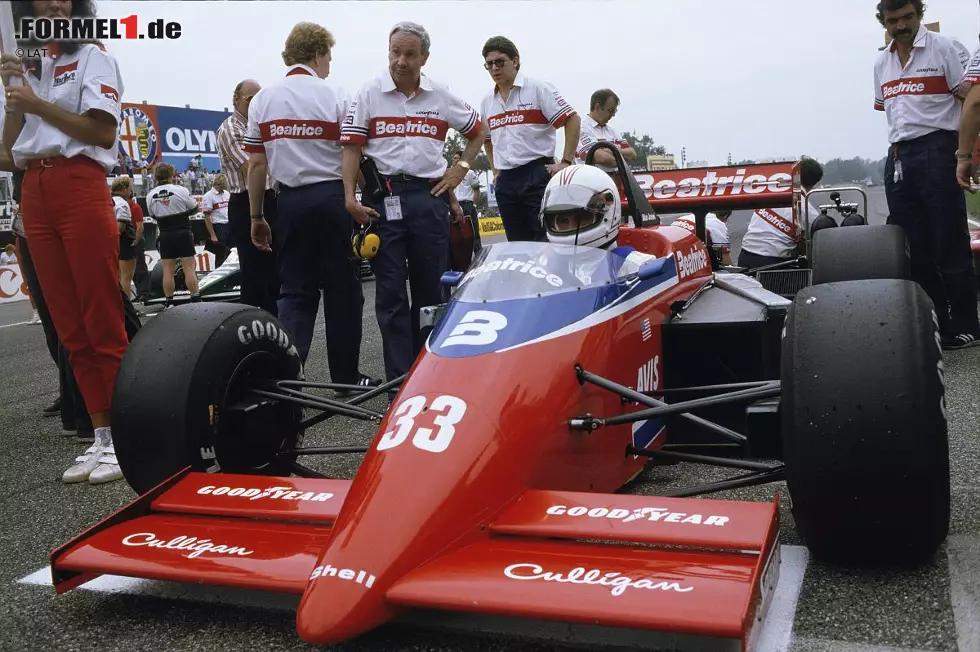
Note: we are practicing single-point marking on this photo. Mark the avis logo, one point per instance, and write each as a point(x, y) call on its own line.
point(648, 376)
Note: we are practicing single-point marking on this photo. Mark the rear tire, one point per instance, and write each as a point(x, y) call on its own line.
point(178, 381)
point(859, 253)
point(864, 422)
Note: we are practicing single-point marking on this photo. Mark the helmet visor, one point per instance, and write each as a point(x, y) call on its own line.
point(569, 221)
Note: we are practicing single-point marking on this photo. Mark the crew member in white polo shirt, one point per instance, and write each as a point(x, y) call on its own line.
point(214, 205)
point(522, 115)
point(399, 122)
point(172, 206)
point(918, 84)
point(467, 194)
point(716, 225)
point(595, 127)
point(969, 125)
point(293, 134)
point(772, 237)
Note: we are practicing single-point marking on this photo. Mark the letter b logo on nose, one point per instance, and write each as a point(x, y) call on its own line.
point(477, 328)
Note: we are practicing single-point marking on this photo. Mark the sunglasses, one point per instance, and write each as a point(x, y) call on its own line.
point(496, 63)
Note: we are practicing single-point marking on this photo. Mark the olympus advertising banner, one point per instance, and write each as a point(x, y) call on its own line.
point(171, 134)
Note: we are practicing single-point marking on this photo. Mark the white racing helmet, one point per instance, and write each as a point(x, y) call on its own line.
point(581, 207)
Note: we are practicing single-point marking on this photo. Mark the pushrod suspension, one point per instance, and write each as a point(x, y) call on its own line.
point(592, 423)
point(708, 460)
point(643, 399)
point(753, 479)
point(308, 400)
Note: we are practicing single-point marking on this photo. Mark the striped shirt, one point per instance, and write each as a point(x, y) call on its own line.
point(231, 153)
point(406, 135)
point(921, 96)
point(592, 132)
point(522, 128)
point(296, 124)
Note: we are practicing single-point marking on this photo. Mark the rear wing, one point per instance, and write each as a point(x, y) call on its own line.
point(696, 190)
point(702, 190)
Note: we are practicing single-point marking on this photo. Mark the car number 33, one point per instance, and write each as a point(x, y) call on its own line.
point(449, 410)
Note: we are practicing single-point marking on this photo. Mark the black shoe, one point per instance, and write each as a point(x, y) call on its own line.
point(54, 409)
point(961, 341)
point(365, 381)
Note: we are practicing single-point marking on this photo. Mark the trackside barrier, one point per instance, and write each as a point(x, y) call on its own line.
point(13, 285)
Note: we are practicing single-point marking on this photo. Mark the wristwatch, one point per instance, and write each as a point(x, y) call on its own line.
point(964, 156)
point(565, 160)
point(463, 164)
point(258, 217)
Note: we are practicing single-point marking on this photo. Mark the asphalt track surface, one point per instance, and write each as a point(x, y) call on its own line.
point(816, 608)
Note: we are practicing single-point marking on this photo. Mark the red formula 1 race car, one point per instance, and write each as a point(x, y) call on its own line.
point(550, 379)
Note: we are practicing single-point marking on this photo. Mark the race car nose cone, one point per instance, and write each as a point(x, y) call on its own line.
point(341, 604)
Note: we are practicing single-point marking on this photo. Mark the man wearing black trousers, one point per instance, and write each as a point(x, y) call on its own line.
point(293, 134)
point(259, 273)
point(399, 122)
point(919, 85)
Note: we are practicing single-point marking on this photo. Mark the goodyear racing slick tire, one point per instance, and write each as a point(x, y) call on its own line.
point(178, 381)
point(858, 253)
point(864, 422)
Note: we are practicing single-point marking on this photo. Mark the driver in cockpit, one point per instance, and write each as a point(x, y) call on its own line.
point(582, 208)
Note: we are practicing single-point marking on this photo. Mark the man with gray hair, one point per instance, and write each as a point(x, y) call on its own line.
point(398, 121)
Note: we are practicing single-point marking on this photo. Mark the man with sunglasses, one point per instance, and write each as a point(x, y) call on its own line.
point(522, 115)
point(260, 279)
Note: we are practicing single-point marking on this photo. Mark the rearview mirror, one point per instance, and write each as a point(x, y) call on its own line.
point(651, 269)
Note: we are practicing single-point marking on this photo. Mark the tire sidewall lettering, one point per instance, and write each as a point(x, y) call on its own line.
point(251, 335)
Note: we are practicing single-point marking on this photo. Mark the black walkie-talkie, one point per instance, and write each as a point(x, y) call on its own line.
point(374, 189)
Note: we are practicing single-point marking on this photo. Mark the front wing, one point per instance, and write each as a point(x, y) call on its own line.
point(701, 571)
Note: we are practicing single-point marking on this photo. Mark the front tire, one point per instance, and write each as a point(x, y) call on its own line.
point(864, 422)
point(178, 385)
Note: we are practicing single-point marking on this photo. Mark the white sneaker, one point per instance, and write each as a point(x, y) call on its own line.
point(86, 463)
point(35, 318)
point(108, 469)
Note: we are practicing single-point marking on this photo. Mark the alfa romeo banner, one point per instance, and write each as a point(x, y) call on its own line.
point(171, 134)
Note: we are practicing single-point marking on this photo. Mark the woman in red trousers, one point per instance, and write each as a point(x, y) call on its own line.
point(60, 127)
